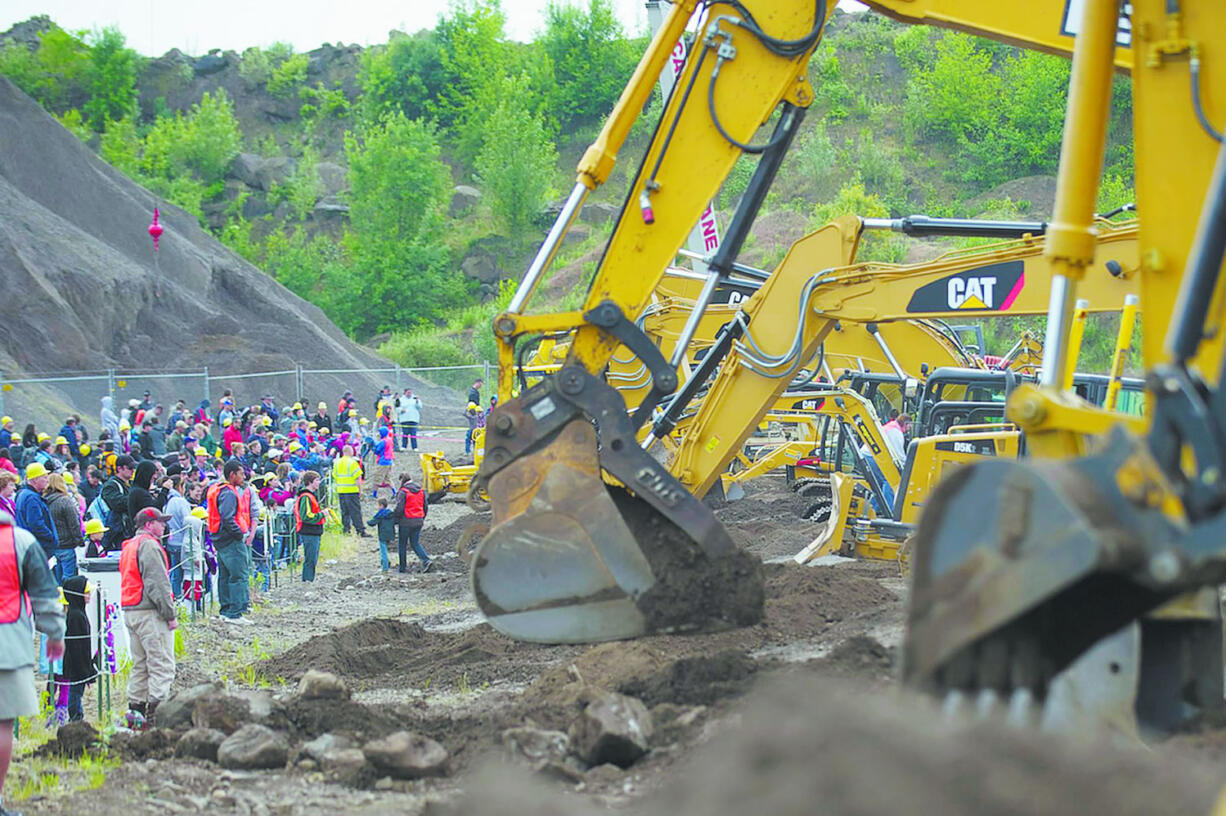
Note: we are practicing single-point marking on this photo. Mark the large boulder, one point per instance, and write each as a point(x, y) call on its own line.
point(274, 170)
point(332, 178)
point(316, 748)
point(536, 744)
point(597, 212)
point(405, 755)
point(253, 747)
point(613, 728)
point(210, 64)
point(176, 712)
point(200, 743)
point(229, 712)
point(245, 167)
point(344, 765)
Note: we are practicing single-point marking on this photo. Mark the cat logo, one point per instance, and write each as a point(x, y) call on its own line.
point(991, 288)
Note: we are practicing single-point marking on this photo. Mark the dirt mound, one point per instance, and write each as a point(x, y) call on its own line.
point(807, 746)
point(860, 656)
point(82, 289)
point(438, 540)
point(380, 652)
point(312, 718)
point(801, 600)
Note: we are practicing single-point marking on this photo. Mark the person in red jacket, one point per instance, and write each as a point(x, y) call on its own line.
point(410, 505)
point(230, 435)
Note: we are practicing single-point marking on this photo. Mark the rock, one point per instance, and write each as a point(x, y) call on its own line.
point(481, 265)
point(200, 743)
point(561, 771)
point(210, 64)
point(75, 738)
point(330, 206)
point(275, 170)
point(597, 212)
point(222, 712)
point(345, 765)
point(612, 728)
point(324, 743)
point(176, 712)
point(463, 199)
point(255, 206)
point(319, 685)
point(308, 764)
point(253, 747)
point(245, 167)
point(385, 783)
point(606, 774)
point(405, 755)
point(332, 178)
point(536, 744)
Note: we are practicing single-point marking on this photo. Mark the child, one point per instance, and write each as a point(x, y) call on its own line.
point(387, 532)
point(195, 571)
point(79, 669)
point(95, 531)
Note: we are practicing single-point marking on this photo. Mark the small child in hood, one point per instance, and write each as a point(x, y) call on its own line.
point(386, 523)
point(80, 669)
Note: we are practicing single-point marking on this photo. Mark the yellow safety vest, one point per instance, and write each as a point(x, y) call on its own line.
point(345, 472)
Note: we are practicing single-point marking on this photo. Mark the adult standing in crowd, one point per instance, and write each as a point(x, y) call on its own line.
point(309, 522)
point(411, 506)
point(26, 587)
point(109, 419)
point(229, 509)
point(179, 511)
point(474, 391)
point(148, 612)
point(143, 491)
point(408, 414)
point(321, 418)
point(8, 490)
point(7, 437)
point(34, 515)
point(347, 475)
point(66, 516)
point(116, 494)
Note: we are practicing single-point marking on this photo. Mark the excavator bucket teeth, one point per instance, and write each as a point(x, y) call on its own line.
point(570, 560)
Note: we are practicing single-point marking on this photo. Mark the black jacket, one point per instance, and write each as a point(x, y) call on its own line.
point(78, 645)
point(386, 523)
point(116, 495)
point(143, 494)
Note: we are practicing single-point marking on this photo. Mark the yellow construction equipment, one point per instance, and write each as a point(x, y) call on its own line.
point(566, 558)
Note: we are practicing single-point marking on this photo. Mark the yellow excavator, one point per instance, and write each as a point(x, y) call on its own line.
point(567, 558)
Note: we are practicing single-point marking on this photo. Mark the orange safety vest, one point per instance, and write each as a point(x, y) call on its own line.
point(12, 598)
point(314, 505)
point(415, 504)
point(243, 516)
point(131, 582)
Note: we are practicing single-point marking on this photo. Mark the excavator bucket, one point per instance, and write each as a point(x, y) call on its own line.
point(572, 559)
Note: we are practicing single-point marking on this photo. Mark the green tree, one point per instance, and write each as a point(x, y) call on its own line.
point(398, 190)
point(287, 77)
point(111, 78)
point(516, 162)
point(406, 75)
point(957, 97)
point(592, 59)
point(853, 200)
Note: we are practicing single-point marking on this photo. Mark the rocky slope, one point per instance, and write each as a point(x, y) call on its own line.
point(81, 288)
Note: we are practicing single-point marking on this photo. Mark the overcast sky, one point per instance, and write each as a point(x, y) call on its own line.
point(153, 27)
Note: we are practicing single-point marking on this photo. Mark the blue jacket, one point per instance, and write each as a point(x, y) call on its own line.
point(71, 435)
point(33, 515)
point(386, 523)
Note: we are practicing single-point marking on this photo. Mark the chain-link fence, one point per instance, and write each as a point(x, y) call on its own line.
point(47, 399)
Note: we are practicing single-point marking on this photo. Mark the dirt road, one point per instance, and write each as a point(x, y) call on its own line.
point(417, 656)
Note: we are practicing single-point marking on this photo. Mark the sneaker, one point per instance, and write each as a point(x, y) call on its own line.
point(426, 567)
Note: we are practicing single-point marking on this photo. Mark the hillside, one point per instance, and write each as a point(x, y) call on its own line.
point(420, 174)
point(81, 289)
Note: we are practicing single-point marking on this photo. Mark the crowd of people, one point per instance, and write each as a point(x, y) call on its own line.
point(176, 497)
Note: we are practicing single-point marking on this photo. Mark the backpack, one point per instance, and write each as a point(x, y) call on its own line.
point(98, 509)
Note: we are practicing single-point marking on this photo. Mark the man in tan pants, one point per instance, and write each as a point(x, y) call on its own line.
point(149, 612)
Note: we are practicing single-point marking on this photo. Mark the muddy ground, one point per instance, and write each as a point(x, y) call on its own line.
point(777, 717)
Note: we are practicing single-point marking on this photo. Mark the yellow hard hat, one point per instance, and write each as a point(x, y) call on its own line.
point(35, 470)
point(4, 420)
point(200, 513)
point(364, 421)
point(95, 527)
point(69, 480)
point(294, 446)
point(200, 451)
point(124, 425)
point(85, 449)
point(297, 406)
point(43, 436)
point(225, 421)
point(353, 412)
point(323, 406)
point(267, 422)
point(59, 440)
point(312, 425)
point(472, 406)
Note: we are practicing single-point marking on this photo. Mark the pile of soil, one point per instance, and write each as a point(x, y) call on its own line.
point(803, 601)
point(771, 523)
point(860, 656)
point(444, 539)
point(381, 652)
